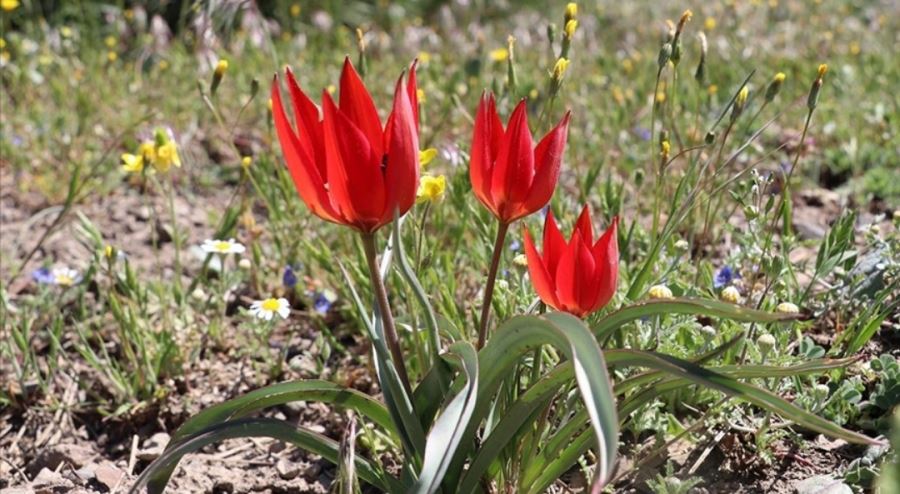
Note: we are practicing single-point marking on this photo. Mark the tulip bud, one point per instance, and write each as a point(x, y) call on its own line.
point(218, 74)
point(659, 292)
point(774, 86)
point(731, 295)
point(787, 308)
point(813, 100)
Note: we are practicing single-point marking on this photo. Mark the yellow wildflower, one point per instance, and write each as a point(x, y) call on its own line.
point(112, 56)
point(295, 10)
point(246, 161)
point(420, 95)
point(431, 188)
point(132, 163)
point(331, 89)
point(571, 10)
point(110, 41)
point(712, 89)
point(221, 67)
point(166, 156)
point(9, 5)
point(709, 24)
point(823, 68)
point(424, 57)
point(499, 55)
point(426, 155)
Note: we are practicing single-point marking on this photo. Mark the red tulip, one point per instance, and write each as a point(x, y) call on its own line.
point(347, 167)
point(578, 277)
point(510, 176)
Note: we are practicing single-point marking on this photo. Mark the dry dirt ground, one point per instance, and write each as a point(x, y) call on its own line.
point(69, 447)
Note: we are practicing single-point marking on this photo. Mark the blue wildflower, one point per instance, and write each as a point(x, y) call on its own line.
point(289, 278)
point(724, 276)
point(515, 245)
point(322, 301)
point(43, 276)
point(643, 133)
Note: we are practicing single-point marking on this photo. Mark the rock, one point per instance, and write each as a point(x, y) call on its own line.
point(20, 489)
point(153, 446)
point(48, 481)
point(108, 475)
point(70, 454)
point(86, 473)
point(287, 470)
point(822, 484)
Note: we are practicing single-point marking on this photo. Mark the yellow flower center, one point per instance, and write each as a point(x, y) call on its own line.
point(222, 246)
point(269, 304)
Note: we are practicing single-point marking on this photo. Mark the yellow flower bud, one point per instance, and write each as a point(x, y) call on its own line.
point(823, 68)
point(570, 28)
point(742, 96)
point(664, 149)
point(779, 77)
point(787, 308)
point(709, 24)
point(660, 292)
point(731, 295)
point(110, 41)
point(221, 67)
point(295, 10)
point(559, 69)
point(571, 10)
point(499, 55)
point(685, 17)
point(246, 161)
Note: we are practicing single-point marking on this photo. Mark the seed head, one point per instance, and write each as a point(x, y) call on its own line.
point(659, 292)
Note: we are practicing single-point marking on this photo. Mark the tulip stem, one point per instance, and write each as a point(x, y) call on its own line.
point(387, 318)
point(489, 288)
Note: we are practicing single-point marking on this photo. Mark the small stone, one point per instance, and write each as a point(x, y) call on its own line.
point(822, 484)
point(287, 470)
point(86, 473)
point(153, 446)
point(108, 475)
point(49, 481)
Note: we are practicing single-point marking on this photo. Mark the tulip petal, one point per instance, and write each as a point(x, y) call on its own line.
point(540, 277)
point(402, 172)
point(583, 225)
point(514, 167)
point(548, 162)
point(309, 125)
point(307, 179)
point(554, 243)
point(606, 256)
point(575, 261)
point(354, 169)
point(484, 138)
point(356, 103)
point(412, 89)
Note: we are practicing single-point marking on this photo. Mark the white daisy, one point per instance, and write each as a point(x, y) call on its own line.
point(63, 276)
point(222, 247)
point(266, 309)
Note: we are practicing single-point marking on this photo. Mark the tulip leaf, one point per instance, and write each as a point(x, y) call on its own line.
point(701, 306)
point(555, 459)
point(156, 476)
point(286, 392)
point(398, 402)
point(451, 424)
point(517, 337)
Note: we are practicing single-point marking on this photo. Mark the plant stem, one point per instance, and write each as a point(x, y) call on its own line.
point(489, 288)
point(387, 318)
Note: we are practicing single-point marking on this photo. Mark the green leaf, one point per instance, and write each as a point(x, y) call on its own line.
point(450, 425)
point(156, 476)
point(685, 306)
point(521, 334)
point(520, 414)
point(279, 394)
point(759, 397)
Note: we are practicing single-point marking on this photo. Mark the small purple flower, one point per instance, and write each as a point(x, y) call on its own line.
point(515, 246)
point(643, 133)
point(43, 276)
point(322, 301)
point(289, 278)
point(724, 276)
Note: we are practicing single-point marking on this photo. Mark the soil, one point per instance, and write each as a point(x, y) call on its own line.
point(54, 440)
